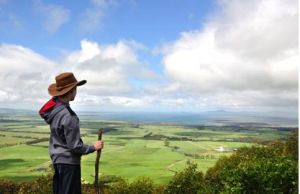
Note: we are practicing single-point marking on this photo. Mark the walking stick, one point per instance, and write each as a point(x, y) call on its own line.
point(97, 191)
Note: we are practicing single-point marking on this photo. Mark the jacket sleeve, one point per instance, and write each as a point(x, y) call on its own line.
point(72, 135)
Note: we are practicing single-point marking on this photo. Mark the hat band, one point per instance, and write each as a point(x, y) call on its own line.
point(59, 88)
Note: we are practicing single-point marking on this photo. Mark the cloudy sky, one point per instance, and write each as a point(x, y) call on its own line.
point(237, 55)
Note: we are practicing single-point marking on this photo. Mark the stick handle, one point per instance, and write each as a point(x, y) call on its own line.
point(97, 191)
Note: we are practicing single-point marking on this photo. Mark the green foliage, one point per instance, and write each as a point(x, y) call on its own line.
point(43, 185)
point(254, 170)
point(292, 145)
point(8, 186)
point(121, 187)
point(166, 143)
point(142, 185)
point(188, 181)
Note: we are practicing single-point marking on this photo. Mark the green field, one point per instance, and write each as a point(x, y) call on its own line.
point(131, 150)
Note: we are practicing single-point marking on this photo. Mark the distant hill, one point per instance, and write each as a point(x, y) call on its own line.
point(216, 117)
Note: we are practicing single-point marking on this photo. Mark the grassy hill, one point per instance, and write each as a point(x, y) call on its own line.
point(131, 149)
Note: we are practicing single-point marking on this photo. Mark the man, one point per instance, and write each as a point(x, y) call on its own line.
point(65, 145)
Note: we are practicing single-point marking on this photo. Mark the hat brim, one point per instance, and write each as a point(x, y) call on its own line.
point(82, 82)
point(54, 92)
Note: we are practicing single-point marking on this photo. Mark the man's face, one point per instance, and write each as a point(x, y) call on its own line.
point(73, 94)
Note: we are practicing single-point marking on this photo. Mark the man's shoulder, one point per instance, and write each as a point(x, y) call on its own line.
point(66, 111)
point(72, 113)
point(68, 117)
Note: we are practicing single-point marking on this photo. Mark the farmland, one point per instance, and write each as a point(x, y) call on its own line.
point(132, 149)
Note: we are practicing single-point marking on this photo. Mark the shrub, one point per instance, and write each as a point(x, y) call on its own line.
point(292, 145)
point(188, 181)
point(254, 170)
point(43, 185)
point(142, 185)
point(121, 187)
point(8, 186)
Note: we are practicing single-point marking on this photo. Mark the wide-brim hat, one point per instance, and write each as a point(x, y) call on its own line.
point(64, 83)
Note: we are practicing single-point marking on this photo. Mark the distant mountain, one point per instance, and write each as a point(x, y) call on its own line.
point(13, 110)
point(214, 117)
point(204, 118)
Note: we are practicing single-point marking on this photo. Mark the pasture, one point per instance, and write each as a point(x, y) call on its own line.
point(131, 149)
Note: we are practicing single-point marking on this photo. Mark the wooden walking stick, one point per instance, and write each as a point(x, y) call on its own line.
point(97, 191)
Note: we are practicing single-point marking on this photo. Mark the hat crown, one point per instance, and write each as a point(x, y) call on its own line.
point(64, 83)
point(65, 79)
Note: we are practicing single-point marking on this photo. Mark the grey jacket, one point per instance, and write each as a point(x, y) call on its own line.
point(65, 145)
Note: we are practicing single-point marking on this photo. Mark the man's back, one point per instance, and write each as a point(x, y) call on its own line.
point(65, 145)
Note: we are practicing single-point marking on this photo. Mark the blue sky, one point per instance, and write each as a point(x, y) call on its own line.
point(148, 22)
point(153, 55)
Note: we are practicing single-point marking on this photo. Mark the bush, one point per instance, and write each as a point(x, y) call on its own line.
point(188, 181)
point(292, 145)
point(254, 170)
point(121, 187)
point(8, 186)
point(43, 185)
point(142, 185)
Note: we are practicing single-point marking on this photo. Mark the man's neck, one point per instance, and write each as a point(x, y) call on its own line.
point(64, 100)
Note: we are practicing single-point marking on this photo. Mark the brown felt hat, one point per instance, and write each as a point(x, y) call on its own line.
point(64, 83)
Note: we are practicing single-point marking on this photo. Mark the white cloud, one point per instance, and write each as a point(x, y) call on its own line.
point(22, 74)
point(107, 67)
point(25, 75)
point(55, 15)
point(246, 55)
point(153, 102)
point(108, 102)
point(127, 102)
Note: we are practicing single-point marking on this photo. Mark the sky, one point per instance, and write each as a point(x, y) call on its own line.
point(178, 56)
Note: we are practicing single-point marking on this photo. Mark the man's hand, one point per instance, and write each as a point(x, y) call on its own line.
point(99, 145)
